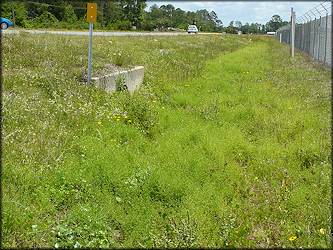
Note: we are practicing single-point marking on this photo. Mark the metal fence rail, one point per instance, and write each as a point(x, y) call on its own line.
point(312, 36)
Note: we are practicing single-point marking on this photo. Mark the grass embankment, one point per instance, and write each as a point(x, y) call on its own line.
point(220, 147)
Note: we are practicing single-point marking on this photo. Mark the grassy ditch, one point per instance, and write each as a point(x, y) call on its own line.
point(227, 143)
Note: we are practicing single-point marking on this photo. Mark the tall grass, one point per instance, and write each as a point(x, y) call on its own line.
point(225, 144)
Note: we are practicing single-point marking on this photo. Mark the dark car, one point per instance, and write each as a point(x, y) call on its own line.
point(5, 23)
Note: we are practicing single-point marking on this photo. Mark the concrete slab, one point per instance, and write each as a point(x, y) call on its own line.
point(129, 79)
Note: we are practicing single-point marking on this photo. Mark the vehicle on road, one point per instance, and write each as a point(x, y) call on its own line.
point(5, 23)
point(192, 29)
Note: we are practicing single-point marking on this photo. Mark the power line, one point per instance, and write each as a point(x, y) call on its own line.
point(80, 8)
point(67, 7)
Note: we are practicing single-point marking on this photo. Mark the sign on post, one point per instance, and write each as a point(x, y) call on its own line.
point(91, 12)
point(91, 18)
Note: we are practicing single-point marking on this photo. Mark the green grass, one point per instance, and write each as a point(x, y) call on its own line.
point(227, 143)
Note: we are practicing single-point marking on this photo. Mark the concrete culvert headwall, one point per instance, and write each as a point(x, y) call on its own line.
point(128, 79)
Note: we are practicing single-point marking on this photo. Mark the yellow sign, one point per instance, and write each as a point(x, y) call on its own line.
point(91, 12)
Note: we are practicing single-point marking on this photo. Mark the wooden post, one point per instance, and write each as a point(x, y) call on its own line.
point(102, 21)
point(292, 33)
point(13, 14)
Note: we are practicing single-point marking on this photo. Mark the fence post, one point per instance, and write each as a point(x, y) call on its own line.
point(314, 37)
point(309, 44)
point(303, 36)
point(292, 33)
point(280, 36)
point(326, 39)
point(319, 38)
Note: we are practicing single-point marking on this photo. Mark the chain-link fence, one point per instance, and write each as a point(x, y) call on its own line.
point(312, 36)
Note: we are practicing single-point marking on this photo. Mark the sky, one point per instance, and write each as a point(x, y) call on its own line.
point(245, 11)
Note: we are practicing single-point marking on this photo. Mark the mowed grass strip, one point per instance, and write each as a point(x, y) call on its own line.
point(234, 153)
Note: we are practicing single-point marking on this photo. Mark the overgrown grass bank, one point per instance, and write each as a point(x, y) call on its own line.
point(227, 143)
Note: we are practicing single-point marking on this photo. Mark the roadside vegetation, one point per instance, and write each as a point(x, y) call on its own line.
point(226, 144)
point(123, 15)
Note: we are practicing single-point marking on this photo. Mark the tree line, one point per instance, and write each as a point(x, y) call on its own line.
point(120, 15)
point(274, 24)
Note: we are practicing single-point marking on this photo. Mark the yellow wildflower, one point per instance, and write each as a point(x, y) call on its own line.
point(154, 101)
point(99, 123)
point(162, 107)
point(129, 121)
point(118, 120)
point(290, 108)
point(322, 230)
point(292, 238)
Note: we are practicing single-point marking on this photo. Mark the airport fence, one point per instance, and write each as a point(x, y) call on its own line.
point(314, 36)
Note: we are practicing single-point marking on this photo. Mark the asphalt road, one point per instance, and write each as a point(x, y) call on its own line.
point(98, 33)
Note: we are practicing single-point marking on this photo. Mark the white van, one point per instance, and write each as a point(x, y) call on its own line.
point(192, 29)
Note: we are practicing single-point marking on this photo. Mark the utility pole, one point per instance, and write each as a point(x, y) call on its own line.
point(292, 33)
point(102, 14)
point(144, 21)
point(13, 13)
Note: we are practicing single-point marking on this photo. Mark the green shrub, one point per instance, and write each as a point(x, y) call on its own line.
point(124, 25)
point(46, 20)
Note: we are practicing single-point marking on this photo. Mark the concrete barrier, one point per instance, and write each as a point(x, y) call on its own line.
point(129, 79)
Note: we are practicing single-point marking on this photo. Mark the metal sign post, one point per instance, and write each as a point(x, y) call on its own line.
point(91, 18)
